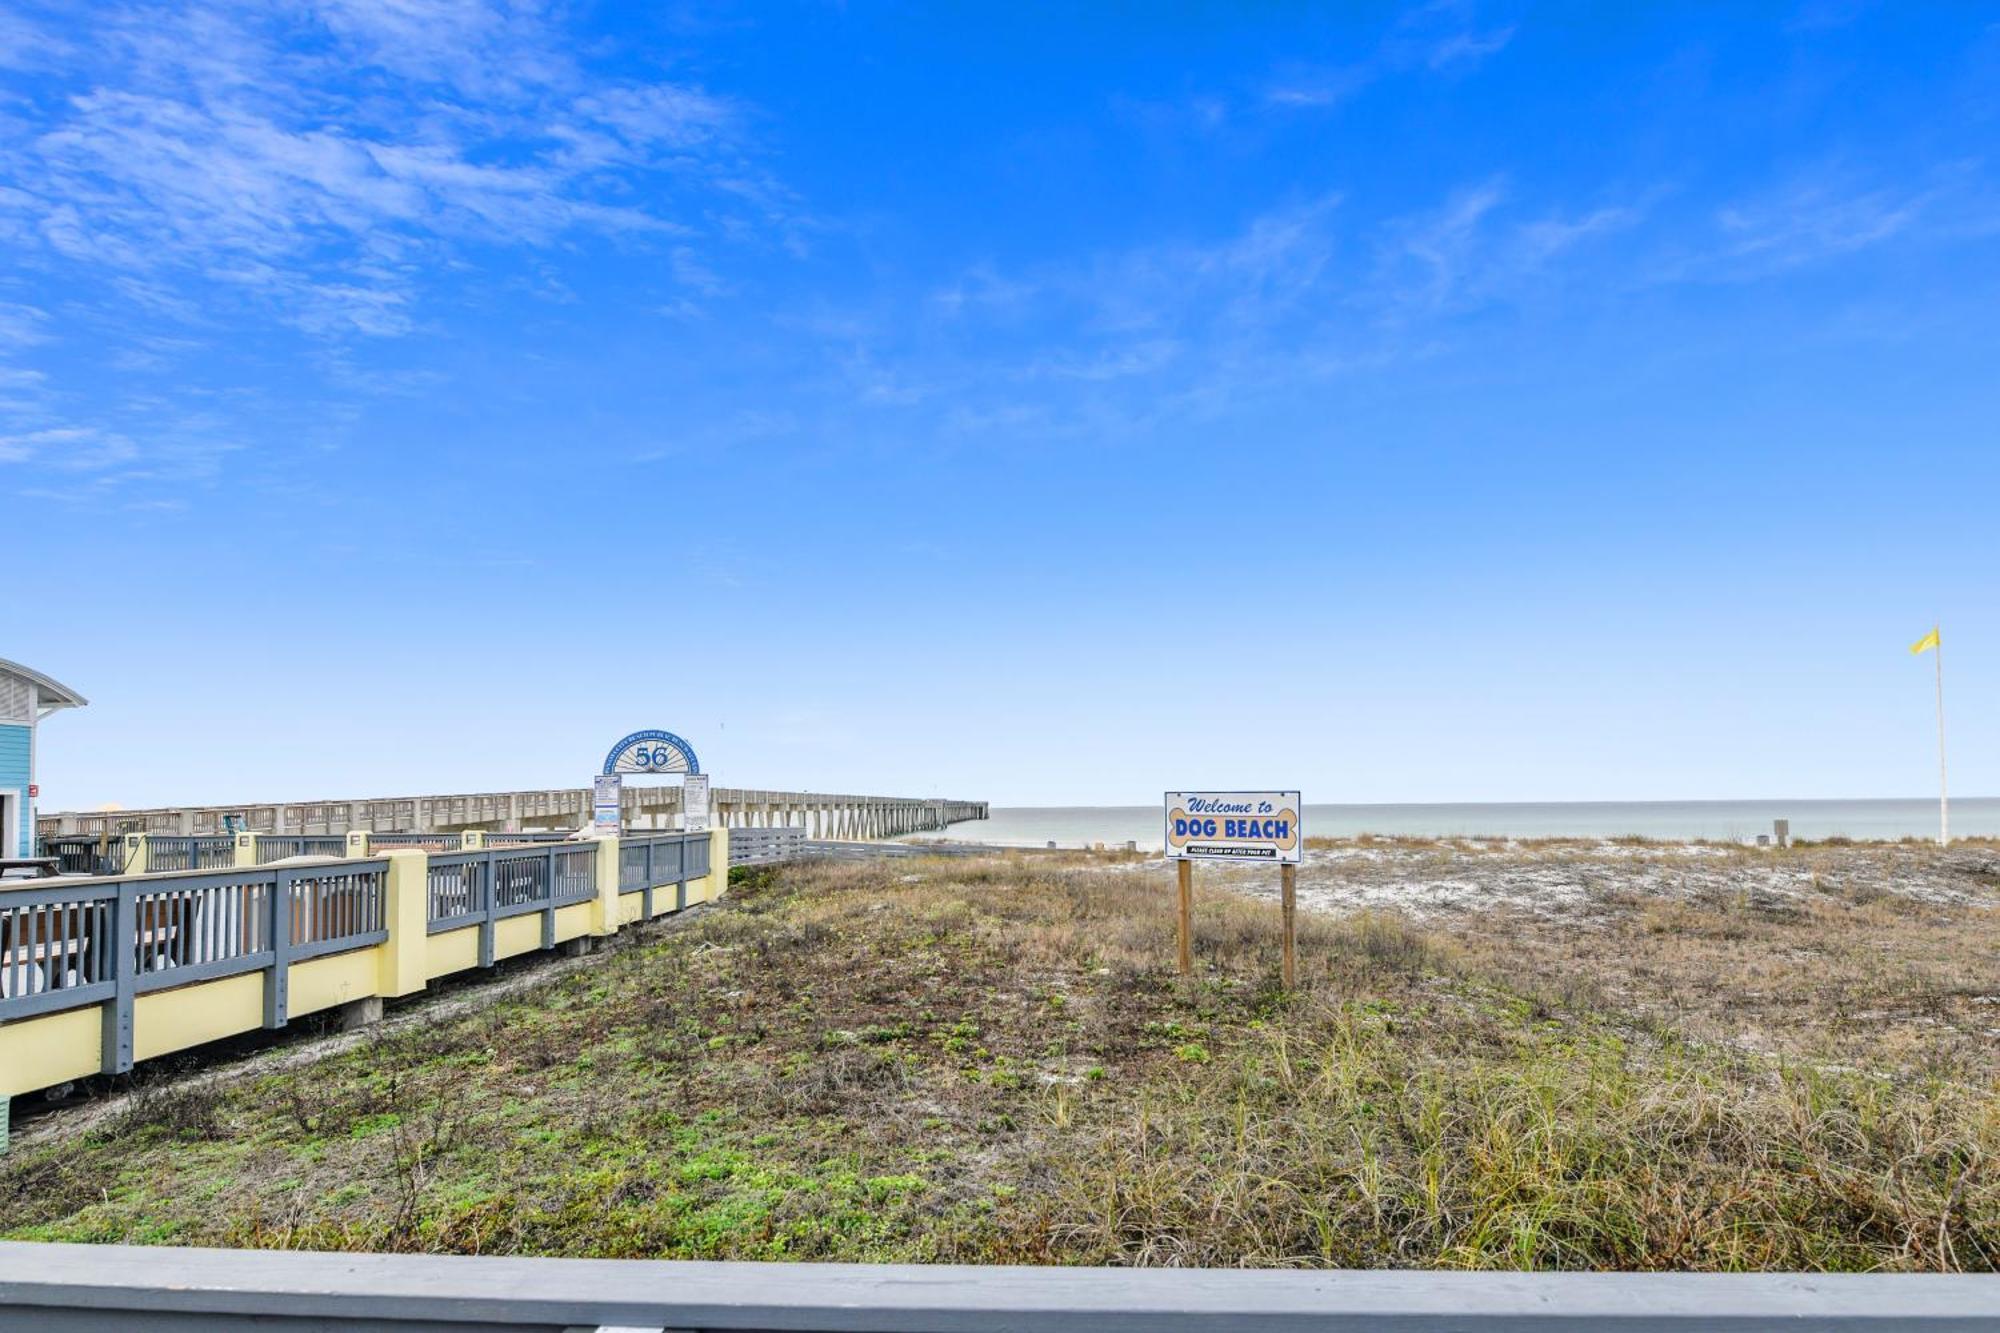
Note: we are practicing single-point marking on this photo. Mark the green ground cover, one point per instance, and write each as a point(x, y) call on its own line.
point(994, 1062)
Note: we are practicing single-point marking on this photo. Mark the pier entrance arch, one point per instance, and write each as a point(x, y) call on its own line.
point(651, 753)
point(659, 753)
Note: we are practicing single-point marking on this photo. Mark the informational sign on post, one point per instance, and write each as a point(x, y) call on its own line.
point(1257, 826)
point(694, 802)
point(1235, 826)
point(606, 799)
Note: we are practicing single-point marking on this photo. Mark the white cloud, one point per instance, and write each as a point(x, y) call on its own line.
point(1318, 88)
point(26, 45)
point(324, 156)
point(1429, 256)
point(1443, 35)
point(1551, 236)
point(70, 448)
point(1463, 49)
point(21, 325)
point(1116, 343)
point(1828, 216)
point(1814, 221)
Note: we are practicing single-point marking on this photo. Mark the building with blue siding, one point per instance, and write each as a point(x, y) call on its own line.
point(26, 697)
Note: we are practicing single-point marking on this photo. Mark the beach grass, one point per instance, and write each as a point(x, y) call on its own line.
point(994, 1061)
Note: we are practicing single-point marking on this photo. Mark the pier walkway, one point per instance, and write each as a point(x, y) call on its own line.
point(822, 815)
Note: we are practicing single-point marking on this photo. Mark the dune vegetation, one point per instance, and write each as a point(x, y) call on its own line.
point(994, 1061)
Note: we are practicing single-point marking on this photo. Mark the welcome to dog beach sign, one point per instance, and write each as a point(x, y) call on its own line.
point(1235, 826)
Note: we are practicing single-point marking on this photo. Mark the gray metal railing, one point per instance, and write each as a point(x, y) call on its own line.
point(651, 861)
point(480, 888)
point(86, 854)
point(765, 846)
point(63, 1287)
point(167, 853)
point(283, 846)
point(64, 945)
point(573, 872)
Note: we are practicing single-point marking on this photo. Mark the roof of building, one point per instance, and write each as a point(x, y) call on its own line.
point(52, 693)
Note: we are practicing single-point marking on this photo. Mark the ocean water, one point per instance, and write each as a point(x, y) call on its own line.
point(1740, 821)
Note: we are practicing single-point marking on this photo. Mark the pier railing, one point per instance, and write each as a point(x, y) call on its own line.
point(765, 846)
point(822, 814)
point(430, 842)
point(99, 972)
point(284, 846)
point(61, 1287)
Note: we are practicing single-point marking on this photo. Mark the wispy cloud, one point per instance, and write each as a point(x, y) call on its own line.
point(197, 175)
point(28, 45)
point(1427, 257)
point(21, 326)
point(1826, 216)
point(1297, 295)
point(1441, 37)
point(311, 156)
point(1812, 221)
point(69, 448)
point(1463, 49)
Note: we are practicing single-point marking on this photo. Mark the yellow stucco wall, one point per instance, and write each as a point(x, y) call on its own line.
point(337, 979)
point(42, 1052)
point(517, 935)
point(173, 1020)
point(453, 951)
point(573, 921)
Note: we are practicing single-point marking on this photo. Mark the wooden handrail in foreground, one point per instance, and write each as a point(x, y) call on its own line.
point(48, 1287)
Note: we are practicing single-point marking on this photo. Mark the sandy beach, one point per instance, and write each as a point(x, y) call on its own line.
point(1583, 878)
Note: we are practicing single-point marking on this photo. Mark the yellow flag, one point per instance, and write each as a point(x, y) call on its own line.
point(1925, 644)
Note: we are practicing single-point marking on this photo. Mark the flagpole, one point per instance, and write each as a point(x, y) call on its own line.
point(1944, 800)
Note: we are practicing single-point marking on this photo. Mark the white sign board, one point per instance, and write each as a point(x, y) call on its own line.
point(1235, 826)
point(604, 805)
point(694, 802)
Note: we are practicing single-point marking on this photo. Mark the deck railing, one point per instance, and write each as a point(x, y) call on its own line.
point(166, 853)
point(111, 942)
point(86, 853)
point(106, 942)
point(648, 862)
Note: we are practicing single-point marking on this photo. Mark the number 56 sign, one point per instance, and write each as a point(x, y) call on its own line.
point(652, 752)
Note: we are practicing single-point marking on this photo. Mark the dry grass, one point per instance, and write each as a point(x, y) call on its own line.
point(992, 1061)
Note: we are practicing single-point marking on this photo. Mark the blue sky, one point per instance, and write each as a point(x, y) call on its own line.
point(1430, 402)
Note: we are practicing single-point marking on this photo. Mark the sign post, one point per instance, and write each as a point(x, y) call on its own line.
point(1236, 826)
point(1288, 879)
point(1186, 868)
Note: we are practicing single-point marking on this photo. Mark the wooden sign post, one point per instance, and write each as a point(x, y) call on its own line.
point(1236, 826)
point(1187, 916)
point(1288, 879)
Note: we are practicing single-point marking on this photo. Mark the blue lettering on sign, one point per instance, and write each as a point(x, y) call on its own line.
point(1273, 829)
